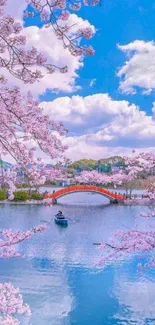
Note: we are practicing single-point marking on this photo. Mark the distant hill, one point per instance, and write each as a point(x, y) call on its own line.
point(84, 164)
point(115, 160)
point(104, 164)
point(101, 164)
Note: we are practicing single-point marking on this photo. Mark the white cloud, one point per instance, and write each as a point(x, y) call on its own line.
point(100, 126)
point(101, 117)
point(92, 83)
point(139, 70)
point(79, 147)
point(98, 109)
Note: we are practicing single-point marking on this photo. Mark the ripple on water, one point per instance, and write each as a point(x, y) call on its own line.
point(58, 276)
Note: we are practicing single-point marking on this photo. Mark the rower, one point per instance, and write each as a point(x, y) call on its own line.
point(60, 215)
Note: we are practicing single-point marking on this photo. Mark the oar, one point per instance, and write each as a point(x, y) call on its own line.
point(71, 219)
point(44, 221)
point(62, 219)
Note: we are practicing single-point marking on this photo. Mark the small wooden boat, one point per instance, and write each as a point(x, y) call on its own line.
point(60, 221)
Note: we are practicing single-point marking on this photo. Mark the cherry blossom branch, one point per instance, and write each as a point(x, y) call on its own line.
point(25, 120)
point(48, 11)
point(126, 243)
point(29, 65)
point(17, 60)
point(9, 239)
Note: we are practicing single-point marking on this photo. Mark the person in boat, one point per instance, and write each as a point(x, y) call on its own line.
point(60, 215)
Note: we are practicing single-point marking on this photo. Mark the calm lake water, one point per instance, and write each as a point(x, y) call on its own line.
point(60, 278)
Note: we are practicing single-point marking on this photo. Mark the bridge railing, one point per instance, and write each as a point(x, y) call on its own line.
point(81, 188)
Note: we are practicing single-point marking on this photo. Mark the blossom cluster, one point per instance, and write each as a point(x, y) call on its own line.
point(133, 167)
point(25, 64)
point(11, 305)
point(22, 122)
point(125, 243)
point(9, 239)
point(49, 13)
point(37, 173)
point(102, 178)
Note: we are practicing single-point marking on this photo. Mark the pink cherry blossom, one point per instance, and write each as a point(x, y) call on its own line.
point(89, 51)
point(102, 178)
point(48, 13)
point(126, 243)
point(26, 113)
point(9, 239)
point(86, 32)
point(25, 63)
point(64, 15)
point(11, 197)
point(75, 6)
point(11, 305)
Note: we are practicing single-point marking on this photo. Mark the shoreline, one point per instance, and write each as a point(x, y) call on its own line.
point(140, 202)
point(128, 202)
point(30, 202)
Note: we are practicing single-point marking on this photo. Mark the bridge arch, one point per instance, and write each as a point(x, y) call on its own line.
point(85, 188)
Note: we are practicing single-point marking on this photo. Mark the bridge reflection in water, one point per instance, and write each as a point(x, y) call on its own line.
point(113, 197)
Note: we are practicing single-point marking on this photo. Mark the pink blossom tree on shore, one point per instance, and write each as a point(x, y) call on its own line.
point(8, 179)
point(95, 177)
point(134, 167)
point(37, 174)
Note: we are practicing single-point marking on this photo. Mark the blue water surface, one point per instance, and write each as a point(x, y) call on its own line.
point(60, 277)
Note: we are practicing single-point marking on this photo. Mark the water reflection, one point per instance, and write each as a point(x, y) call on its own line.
point(136, 300)
point(59, 278)
point(44, 286)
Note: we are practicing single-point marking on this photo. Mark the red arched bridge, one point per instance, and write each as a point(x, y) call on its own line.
point(85, 188)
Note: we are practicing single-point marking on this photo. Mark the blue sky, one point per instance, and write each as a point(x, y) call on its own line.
point(106, 114)
point(121, 22)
